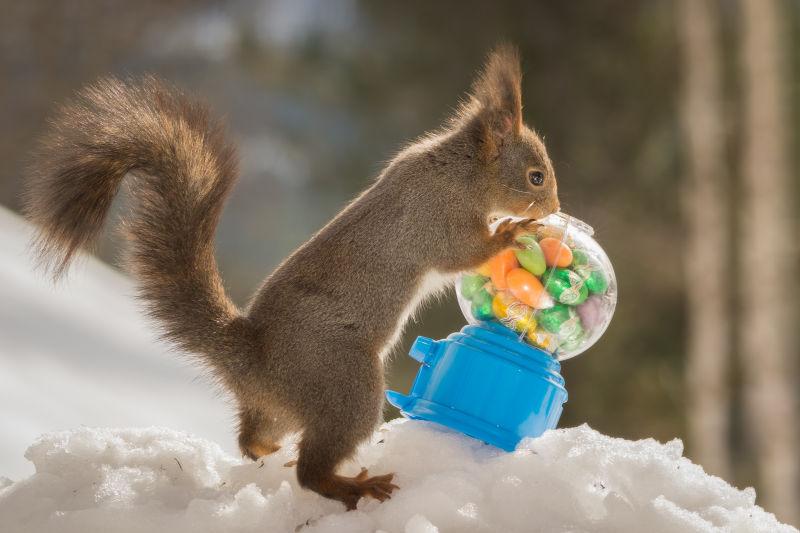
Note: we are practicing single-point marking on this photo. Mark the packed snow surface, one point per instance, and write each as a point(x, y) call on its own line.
point(154, 479)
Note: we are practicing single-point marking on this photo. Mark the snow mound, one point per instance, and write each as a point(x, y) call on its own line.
point(155, 479)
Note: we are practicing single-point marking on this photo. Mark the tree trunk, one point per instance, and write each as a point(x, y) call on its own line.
point(706, 258)
point(768, 276)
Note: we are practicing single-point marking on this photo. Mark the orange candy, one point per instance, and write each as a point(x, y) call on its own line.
point(500, 265)
point(525, 286)
point(484, 270)
point(556, 253)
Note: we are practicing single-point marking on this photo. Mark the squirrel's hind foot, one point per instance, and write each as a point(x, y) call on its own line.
point(256, 450)
point(349, 490)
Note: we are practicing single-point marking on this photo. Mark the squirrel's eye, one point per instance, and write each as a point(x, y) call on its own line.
point(536, 177)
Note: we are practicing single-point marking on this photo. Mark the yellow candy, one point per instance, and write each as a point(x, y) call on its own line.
point(525, 324)
point(517, 316)
point(540, 339)
point(500, 304)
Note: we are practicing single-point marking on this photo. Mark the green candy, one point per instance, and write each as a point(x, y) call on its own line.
point(565, 323)
point(580, 258)
point(566, 286)
point(574, 295)
point(597, 282)
point(482, 305)
point(471, 284)
point(554, 318)
point(590, 271)
point(531, 257)
point(573, 340)
point(556, 286)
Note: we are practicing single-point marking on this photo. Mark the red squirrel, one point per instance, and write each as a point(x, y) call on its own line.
point(301, 357)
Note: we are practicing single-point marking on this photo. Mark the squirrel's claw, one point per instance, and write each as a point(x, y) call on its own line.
point(350, 490)
point(508, 230)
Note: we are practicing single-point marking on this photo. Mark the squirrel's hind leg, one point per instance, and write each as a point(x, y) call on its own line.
point(260, 433)
point(316, 470)
point(336, 422)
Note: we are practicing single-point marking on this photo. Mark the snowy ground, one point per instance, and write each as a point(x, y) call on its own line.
point(577, 480)
point(81, 354)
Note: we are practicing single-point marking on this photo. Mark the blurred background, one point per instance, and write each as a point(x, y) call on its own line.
point(672, 126)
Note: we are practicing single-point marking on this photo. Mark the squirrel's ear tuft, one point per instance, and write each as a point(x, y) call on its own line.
point(498, 91)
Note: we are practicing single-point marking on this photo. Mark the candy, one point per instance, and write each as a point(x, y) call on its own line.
point(556, 253)
point(540, 339)
point(572, 328)
point(566, 286)
point(513, 313)
point(499, 267)
point(527, 288)
point(574, 295)
point(580, 258)
point(591, 312)
point(571, 333)
point(555, 289)
point(554, 318)
point(595, 279)
point(482, 305)
point(527, 239)
point(531, 257)
point(597, 283)
point(573, 340)
point(525, 324)
point(472, 283)
point(500, 304)
point(484, 270)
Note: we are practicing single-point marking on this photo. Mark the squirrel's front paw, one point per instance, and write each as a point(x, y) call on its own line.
point(508, 230)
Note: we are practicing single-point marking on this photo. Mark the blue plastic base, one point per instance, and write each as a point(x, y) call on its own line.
point(485, 383)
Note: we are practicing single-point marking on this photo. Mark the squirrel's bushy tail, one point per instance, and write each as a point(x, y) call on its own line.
point(182, 169)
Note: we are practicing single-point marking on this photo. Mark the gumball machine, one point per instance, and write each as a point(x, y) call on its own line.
point(528, 308)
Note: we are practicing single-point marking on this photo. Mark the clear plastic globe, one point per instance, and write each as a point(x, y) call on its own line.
point(557, 291)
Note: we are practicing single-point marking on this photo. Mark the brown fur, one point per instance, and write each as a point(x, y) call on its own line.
point(307, 353)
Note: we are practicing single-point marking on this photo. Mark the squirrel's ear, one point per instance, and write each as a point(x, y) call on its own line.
point(498, 92)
